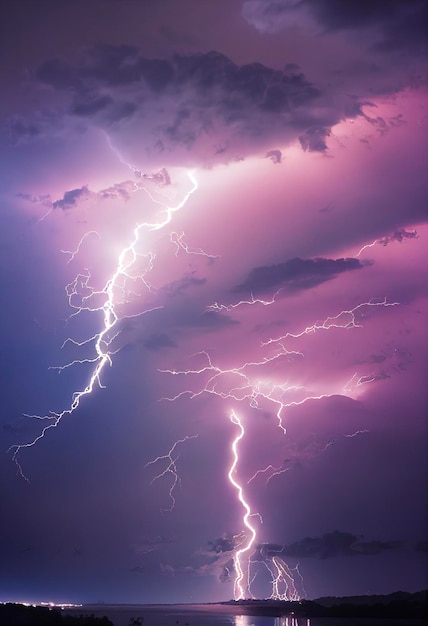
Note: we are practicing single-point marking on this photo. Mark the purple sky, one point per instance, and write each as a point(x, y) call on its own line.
point(240, 188)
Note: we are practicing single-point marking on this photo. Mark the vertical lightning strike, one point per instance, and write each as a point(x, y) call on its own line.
point(171, 468)
point(283, 576)
point(102, 340)
point(239, 588)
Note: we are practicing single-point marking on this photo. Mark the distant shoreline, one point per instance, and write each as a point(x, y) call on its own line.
point(396, 605)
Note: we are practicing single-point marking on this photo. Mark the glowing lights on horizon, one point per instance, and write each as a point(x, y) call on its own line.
point(51, 605)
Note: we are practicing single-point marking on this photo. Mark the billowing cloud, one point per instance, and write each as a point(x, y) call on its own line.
point(227, 543)
point(399, 235)
point(398, 24)
point(296, 274)
point(314, 139)
point(71, 198)
point(335, 544)
point(271, 16)
point(274, 155)
point(194, 102)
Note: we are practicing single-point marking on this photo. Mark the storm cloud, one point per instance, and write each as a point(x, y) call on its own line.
point(296, 274)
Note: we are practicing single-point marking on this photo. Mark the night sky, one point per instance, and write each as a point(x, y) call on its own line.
point(222, 206)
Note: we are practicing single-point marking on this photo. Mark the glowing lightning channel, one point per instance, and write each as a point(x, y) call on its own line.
point(275, 471)
point(171, 468)
point(73, 253)
point(178, 240)
point(399, 235)
point(229, 307)
point(283, 575)
point(239, 589)
point(102, 340)
point(345, 319)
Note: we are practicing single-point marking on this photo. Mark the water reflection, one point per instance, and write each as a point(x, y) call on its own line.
point(250, 620)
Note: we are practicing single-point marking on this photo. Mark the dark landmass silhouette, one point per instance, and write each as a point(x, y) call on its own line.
point(395, 605)
point(21, 615)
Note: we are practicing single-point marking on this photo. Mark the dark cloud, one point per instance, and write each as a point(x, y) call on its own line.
point(399, 24)
point(270, 16)
point(72, 198)
point(225, 575)
point(296, 274)
point(223, 544)
point(314, 139)
point(274, 155)
point(192, 100)
point(120, 191)
point(159, 341)
point(399, 235)
point(336, 544)
point(43, 199)
point(90, 105)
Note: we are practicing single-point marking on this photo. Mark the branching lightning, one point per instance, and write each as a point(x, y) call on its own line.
point(73, 253)
point(105, 302)
point(240, 589)
point(229, 307)
point(178, 240)
point(345, 319)
point(400, 236)
point(170, 459)
point(241, 383)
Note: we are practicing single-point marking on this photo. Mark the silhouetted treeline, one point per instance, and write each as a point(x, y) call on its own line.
point(398, 605)
point(20, 615)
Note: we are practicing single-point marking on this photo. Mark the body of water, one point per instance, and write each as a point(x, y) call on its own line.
point(217, 615)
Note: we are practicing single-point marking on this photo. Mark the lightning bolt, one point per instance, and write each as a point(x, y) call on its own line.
point(178, 240)
point(275, 471)
point(89, 297)
point(239, 587)
point(345, 319)
point(75, 252)
point(170, 469)
point(400, 236)
point(238, 384)
point(229, 307)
